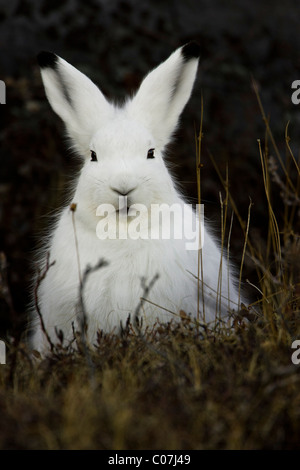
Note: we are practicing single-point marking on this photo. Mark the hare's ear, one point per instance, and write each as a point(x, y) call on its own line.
point(165, 91)
point(75, 98)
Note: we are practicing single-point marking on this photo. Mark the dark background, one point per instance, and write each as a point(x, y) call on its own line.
point(116, 43)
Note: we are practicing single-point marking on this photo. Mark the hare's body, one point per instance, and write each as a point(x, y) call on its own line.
point(124, 166)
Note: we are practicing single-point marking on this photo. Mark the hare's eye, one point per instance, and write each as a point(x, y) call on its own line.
point(151, 153)
point(93, 156)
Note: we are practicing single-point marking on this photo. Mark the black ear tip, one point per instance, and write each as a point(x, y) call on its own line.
point(191, 50)
point(47, 59)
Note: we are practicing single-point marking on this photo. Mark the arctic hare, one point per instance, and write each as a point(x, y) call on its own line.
point(122, 150)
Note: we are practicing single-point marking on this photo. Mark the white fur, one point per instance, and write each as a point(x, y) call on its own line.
point(121, 138)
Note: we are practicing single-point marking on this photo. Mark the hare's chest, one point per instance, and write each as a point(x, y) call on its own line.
point(155, 270)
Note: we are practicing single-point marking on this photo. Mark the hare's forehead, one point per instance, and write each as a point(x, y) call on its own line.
point(122, 133)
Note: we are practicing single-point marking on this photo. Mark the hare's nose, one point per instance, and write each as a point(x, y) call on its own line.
point(123, 191)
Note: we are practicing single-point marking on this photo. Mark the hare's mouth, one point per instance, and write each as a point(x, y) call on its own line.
point(124, 210)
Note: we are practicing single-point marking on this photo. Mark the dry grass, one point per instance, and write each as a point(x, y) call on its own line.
point(176, 388)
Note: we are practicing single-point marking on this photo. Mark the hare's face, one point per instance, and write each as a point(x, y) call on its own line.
point(124, 161)
point(126, 143)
